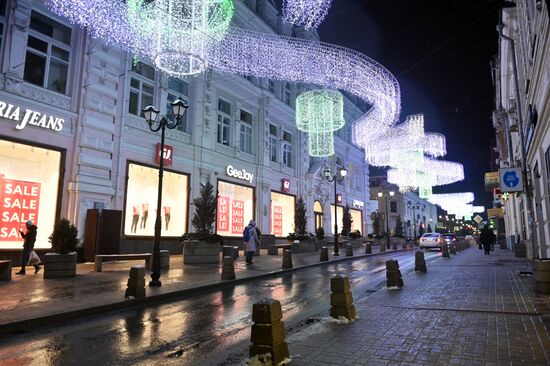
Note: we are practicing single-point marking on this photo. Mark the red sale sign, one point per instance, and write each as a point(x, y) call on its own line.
point(237, 217)
point(222, 221)
point(20, 202)
point(167, 154)
point(277, 221)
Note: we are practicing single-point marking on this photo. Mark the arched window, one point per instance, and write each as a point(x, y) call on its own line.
point(318, 210)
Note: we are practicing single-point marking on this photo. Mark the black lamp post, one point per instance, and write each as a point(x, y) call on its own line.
point(386, 195)
point(339, 177)
point(151, 115)
point(414, 207)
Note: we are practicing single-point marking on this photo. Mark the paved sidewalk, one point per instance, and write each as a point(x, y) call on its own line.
point(29, 301)
point(471, 309)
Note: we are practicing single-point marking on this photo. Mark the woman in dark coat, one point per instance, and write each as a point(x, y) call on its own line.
point(487, 238)
point(28, 246)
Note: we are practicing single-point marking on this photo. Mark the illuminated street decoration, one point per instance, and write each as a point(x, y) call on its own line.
point(260, 55)
point(307, 13)
point(458, 204)
point(430, 173)
point(320, 113)
point(478, 209)
point(180, 31)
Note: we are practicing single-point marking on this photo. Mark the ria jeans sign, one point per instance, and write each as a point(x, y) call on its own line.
point(241, 174)
point(27, 116)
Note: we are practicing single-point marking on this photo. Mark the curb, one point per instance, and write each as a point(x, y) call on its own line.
point(26, 325)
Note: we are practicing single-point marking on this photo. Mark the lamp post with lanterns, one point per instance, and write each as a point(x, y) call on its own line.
point(414, 206)
point(386, 195)
point(151, 115)
point(337, 177)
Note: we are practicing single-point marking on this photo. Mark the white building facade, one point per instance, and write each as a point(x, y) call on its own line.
point(527, 23)
point(72, 138)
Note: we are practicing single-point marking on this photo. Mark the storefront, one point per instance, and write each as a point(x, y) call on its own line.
point(235, 208)
point(30, 189)
point(141, 201)
point(356, 217)
point(283, 210)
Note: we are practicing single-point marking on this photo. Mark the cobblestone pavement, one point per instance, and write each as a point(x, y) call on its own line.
point(471, 309)
point(31, 296)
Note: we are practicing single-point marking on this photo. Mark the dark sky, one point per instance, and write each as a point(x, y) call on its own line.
point(439, 50)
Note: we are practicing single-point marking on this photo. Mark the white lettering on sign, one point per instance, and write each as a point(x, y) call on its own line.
point(239, 174)
point(30, 117)
point(358, 204)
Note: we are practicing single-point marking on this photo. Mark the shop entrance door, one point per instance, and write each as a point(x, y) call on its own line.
point(318, 210)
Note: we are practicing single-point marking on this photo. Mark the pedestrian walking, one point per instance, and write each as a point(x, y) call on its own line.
point(250, 238)
point(487, 238)
point(29, 238)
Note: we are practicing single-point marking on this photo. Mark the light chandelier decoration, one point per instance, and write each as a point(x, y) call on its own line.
point(255, 54)
point(430, 173)
point(306, 13)
point(458, 204)
point(180, 31)
point(320, 113)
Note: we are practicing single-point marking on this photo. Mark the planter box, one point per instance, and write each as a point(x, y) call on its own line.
point(199, 252)
point(304, 246)
point(59, 265)
point(356, 243)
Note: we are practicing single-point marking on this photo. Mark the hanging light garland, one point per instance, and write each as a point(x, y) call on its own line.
point(257, 54)
point(180, 31)
point(306, 13)
point(320, 113)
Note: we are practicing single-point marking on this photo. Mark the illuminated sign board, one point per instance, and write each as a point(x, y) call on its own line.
point(241, 174)
point(27, 116)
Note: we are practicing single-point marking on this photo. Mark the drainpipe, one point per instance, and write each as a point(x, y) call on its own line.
point(530, 222)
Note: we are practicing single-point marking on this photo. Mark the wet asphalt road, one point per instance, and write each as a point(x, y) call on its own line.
point(212, 328)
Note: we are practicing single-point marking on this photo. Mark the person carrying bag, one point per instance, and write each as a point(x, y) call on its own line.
point(28, 246)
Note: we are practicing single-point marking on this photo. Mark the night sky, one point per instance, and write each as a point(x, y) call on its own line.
point(439, 50)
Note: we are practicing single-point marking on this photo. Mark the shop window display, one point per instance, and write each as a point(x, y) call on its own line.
point(141, 202)
point(235, 208)
point(29, 186)
point(356, 216)
point(283, 209)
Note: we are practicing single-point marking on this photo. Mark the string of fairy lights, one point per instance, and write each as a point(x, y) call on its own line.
point(186, 37)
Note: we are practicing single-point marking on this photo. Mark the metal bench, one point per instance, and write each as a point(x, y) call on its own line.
point(99, 258)
point(273, 249)
point(5, 270)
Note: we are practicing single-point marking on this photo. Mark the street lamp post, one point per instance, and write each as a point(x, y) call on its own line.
point(417, 207)
point(151, 115)
point(337, 177)
point(380, 195)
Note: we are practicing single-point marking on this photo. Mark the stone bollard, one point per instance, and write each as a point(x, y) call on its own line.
point(452, 248)
point(394, 245)
point(419, 262)
point(404, 245)
point(383, 247)
point(324, 254)
point(164, 259)
point(228, 268)
point(228, 251)
point(287, 259)
point(445, 251)
point(136, 283)
point(349, 250)
point(541, 274)
point(393, 274)
point(368, 248)
point(341, 300)
point(269, 346)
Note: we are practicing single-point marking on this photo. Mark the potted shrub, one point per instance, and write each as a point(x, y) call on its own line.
point(319, 237)
point(397, 237)
point(203, 246)
point(306, 241)
point(355, 238)
point(62, 263)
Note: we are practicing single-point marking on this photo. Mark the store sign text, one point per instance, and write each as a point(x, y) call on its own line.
point(239, 174)
point(358, 204)
point(30, 117)
point(167, 155)
point(286, 185)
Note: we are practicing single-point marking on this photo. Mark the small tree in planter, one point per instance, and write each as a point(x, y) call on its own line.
point(375, 217)
point(398, 228)
point(64, 240)
point(346, 222)
point(320, 233)
point(307, 243)
point(203, 246)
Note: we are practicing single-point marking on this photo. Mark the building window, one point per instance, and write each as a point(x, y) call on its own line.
point(287, 149)
point(224, 122)
point(283, 207)
point(273, 143)
point(142, 90)
point(393, 206)
point(2, 20)
point(177, 89)
point(271, 86)
point(245, 132)
point(48, 53)
point(287, 94)
point(235, 208)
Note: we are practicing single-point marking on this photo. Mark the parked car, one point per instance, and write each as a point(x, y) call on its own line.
point(431, 240)
point(449, 237)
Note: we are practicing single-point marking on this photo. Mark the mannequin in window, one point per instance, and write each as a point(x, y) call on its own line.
point(166, 216)
point(145, 213)
point(135, 218)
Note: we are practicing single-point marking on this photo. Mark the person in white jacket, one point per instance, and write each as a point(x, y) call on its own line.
point(252, 241)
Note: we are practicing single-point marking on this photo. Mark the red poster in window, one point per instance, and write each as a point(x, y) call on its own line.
point(237, 217)
point(277, 221)
point(222, 221)
point(19, 203)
